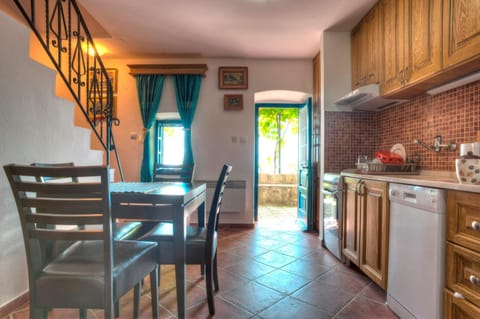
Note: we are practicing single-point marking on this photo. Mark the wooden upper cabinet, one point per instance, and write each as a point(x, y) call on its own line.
point(461, 31)
point(412, 42)
point(393, 62)
point(423, 39)
point(365, 43)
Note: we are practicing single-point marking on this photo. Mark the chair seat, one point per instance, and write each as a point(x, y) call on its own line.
point(127, 230)
point(81, 268)
point(195, 246)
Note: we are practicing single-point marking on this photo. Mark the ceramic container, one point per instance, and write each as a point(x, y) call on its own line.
point(468, 170)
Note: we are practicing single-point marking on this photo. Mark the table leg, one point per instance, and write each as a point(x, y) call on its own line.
point(180, 264)
point(201, 215)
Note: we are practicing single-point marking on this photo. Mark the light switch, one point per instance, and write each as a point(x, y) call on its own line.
point(243, 140)
point(133, 136)
point(234, 139)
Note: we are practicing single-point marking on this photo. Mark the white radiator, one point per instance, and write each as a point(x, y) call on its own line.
point(233, 196)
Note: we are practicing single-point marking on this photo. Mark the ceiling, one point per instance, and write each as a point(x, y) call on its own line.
point(221, 28)
point(278, 29)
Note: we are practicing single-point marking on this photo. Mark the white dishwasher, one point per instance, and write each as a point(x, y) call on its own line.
point(416, 251)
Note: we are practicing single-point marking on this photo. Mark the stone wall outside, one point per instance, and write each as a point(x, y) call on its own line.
point(277, 189)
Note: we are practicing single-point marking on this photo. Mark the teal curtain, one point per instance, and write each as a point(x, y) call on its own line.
point(187, 88)
point(149, 89)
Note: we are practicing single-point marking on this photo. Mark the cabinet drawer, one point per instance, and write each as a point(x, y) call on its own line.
point(463, 272)
point(456, 308)
point(463, 211)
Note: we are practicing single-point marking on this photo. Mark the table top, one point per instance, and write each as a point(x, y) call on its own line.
point(184, 191)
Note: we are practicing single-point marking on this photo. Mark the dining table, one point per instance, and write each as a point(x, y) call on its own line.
point(163, 201)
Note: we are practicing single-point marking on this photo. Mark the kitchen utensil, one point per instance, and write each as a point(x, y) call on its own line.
point(387, 157)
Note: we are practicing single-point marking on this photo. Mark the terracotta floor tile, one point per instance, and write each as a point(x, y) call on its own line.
point(374, 293)
point(250, 269)
point(228, 281)
point(306, 269)
point(293, 308)
point(247, 251)
point(294, 250)
point(346, 281)
point(362, 308)
point(275, 259)
point(283, 281)
point(322, 257)
point(253, 297)
point(223, 309)
point(328, 298)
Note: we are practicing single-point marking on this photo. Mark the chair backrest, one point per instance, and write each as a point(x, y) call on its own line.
point(64, 205)
point(47, 178)
point(173, 173)
point(215, 209)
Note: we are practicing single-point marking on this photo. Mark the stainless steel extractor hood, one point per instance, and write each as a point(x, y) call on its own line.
point(367, 98)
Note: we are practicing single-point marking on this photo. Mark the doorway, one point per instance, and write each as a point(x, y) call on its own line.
point(283, 187)
point(277, 166)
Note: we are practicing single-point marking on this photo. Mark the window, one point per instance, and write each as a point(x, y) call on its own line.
point(170, 142)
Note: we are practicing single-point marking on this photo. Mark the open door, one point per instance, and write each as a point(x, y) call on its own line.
point(305, 171)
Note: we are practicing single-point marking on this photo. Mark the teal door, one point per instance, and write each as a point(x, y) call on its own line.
point(305, 178)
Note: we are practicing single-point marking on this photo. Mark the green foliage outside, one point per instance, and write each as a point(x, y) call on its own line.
point(273, 123)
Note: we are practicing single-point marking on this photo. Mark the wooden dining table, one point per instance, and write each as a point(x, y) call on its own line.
point(165, 201)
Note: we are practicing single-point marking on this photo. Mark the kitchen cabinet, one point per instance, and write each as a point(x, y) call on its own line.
point(462, 291)
point(411, 37)
point(461, 32)
point(365, 227)
point(365, 46)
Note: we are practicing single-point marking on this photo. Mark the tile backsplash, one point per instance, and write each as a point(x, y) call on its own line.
point(455, 115)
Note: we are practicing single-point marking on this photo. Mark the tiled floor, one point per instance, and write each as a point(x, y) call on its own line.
point(265, 272)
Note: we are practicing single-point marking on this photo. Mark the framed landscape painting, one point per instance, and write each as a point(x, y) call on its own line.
point(233, 77)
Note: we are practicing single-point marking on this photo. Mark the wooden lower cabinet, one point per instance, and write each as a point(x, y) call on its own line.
point(366, 224)
point(462, 257)
point(457, 308)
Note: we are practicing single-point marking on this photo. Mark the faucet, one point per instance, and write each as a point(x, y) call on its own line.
point(437, 145)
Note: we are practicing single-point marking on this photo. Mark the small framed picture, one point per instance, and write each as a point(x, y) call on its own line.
point(233, 102)
point(233, 77)
point(112, 75)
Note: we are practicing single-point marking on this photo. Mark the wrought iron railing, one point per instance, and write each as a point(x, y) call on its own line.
point(63, 33)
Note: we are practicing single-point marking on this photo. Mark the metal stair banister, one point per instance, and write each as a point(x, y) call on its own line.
point(67, 41)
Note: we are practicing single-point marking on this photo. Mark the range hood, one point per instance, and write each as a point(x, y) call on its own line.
point(366, 98)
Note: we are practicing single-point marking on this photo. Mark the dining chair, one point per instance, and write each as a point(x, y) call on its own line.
point(94, 271)
point(201, 246)
point(121, 230)
point(173, 173)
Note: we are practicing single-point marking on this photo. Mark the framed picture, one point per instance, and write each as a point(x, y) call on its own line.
point(233, 77)
point(112, 75)
point(233, 102)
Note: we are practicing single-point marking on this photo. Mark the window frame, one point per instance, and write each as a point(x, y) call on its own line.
point(159, 125)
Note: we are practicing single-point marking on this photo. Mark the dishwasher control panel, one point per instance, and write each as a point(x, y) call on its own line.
point(430, 199)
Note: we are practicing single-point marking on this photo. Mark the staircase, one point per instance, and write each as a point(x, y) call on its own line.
point(68, 45)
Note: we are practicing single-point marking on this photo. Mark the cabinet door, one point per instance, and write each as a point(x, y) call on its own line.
point(456, 308)
point(463, 219)
point(356, 43)
point(365, 44)
point(374, 226)
point(392, 25)
point(351, 219)
point(461, 31)
point(371, 25)
point(423, 24)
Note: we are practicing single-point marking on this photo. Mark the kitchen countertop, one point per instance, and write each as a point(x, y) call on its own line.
point(435, 179)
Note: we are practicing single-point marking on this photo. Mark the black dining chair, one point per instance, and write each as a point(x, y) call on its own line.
point(173, 173)
point(201, 246)
point(121, 230)
point(94, 271)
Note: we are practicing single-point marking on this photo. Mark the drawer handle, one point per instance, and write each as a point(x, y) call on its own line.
point(474, 280)
point(475, 225)
point(458, 295)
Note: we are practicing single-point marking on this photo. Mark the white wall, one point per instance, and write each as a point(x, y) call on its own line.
point(213, 127)
point(35, 126)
